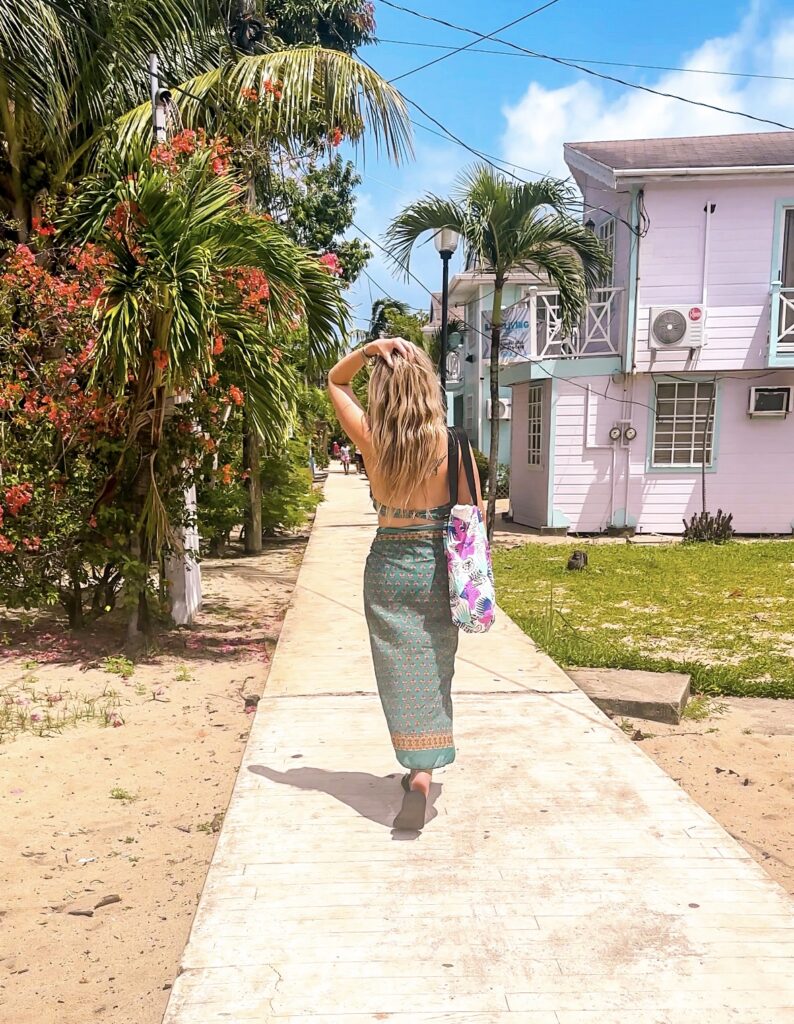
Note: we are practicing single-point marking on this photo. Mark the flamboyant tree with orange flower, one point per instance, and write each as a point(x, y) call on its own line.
point(195, 291)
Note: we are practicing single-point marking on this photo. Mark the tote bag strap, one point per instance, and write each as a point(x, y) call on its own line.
point(453, 448)
point(465, 449)
point(459, 443)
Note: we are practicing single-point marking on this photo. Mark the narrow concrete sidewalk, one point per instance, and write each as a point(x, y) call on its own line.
point(563, 879)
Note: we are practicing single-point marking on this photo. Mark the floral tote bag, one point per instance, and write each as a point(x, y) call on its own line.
point(472, 595)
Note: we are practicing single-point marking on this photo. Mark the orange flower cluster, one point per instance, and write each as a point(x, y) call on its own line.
point(185, 144)
point(253, 286)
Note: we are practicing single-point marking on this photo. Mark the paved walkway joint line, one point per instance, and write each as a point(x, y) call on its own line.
point(585, 887)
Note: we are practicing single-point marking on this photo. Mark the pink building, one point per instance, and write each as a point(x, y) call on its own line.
point(679, 382)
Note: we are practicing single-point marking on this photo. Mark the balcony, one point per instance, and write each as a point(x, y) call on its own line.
point(533, 328)
point(781, 349)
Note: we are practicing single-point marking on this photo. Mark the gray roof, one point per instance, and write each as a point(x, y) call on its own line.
point(459, 312)
point(756, 149)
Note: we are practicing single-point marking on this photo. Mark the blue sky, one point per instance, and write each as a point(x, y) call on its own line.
point(522, 110)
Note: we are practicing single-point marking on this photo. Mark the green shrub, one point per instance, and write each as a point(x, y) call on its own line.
point(703, 527)
point(502, 474)
point(288, 494)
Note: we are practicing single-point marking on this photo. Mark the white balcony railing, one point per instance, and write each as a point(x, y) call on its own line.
point(785, 321)
point(532, 328)
point(599, 333)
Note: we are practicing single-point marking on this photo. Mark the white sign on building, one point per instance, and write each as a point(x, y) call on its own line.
point(516, 342)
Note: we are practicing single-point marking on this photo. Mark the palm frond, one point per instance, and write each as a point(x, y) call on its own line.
point(311, 81)
point(429, 214)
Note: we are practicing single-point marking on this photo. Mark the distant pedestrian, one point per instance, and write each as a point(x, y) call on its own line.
point(335, 450)
point(344, 458)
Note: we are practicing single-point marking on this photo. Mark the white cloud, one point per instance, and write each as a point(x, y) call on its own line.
point(543, 119)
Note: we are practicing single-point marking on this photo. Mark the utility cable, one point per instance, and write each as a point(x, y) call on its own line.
point(589, 71)
point(483, 334)
point(468, 46)
point(603, 63)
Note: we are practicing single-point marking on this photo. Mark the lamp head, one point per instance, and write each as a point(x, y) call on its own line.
point(446, 240)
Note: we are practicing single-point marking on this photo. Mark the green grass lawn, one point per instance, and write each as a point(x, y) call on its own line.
point(723, 614)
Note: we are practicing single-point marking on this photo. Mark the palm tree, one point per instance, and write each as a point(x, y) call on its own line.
point(379, 318)
point(71, 70)
point(508, 226)
point(180, 243)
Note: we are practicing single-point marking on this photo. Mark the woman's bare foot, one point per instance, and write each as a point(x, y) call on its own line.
point(420, 782)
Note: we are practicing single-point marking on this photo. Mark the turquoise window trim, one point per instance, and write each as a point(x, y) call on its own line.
point(552, 393)
point(634, 263)
point(781, 205)
point(560, 369)
point(704, 378)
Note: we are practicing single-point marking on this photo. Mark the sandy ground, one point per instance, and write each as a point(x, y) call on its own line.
point(739, 764)
point(66, 843)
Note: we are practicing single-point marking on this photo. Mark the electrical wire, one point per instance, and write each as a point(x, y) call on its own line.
point(603, 63)
point(468, 46)
point(589, 71)
point(483, 334)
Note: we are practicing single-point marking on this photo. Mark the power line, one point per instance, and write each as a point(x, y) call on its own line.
point(468, 46)
point(591, 60)
point(589, 71)
point(489, 157)
point(483, 334)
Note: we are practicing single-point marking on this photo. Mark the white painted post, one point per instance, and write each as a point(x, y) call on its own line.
point(183, 572)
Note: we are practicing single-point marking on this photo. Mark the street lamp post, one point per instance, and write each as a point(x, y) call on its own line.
point(446, 242)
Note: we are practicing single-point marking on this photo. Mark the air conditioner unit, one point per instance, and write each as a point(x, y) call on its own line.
point(505, 408)
point(770, 402)
point(676, 327)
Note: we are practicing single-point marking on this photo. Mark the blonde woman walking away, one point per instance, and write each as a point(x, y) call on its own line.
point(406, 445)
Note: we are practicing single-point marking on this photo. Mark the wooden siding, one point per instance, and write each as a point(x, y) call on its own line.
point(751, 478)
point(671, 267)
point(582, 474)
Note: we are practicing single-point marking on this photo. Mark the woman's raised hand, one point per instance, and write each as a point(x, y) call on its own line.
point(384, 347)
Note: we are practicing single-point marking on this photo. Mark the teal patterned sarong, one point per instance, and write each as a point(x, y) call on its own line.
point(413, 641)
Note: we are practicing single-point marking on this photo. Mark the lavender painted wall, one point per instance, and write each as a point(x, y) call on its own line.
point(671, 267)
point(751, 478)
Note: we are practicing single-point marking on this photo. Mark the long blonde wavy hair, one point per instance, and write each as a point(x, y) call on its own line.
point(407, 423)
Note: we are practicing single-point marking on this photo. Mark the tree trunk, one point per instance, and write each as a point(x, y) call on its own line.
point(253, 513)
point(493, 455)
point(72, 600)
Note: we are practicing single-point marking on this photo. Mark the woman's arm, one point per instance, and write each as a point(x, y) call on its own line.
point(348, 408)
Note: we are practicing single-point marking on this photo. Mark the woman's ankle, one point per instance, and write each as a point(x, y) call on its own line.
point(420, 780)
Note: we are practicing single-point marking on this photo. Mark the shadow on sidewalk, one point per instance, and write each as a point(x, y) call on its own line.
point(371, 796)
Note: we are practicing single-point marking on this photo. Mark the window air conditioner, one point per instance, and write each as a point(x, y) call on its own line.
point(505, 408)
point(770, 402)
point(676, 327)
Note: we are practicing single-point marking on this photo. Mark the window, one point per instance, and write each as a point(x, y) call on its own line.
point(606, 236)
point(535, 428)
point(685, 414)
point(787, 267)
point(469, 426)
